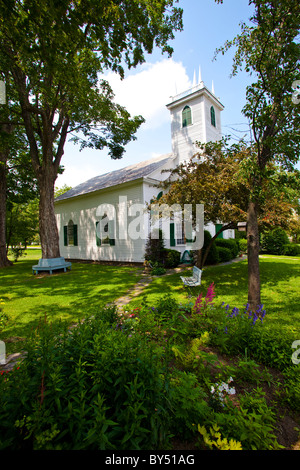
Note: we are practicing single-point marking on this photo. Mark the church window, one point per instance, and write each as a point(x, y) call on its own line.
point(213, 116)
point(186, 116)
point(105, 232)
point(70, 234)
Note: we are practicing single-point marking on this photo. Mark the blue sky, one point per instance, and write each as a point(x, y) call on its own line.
point(146, 90)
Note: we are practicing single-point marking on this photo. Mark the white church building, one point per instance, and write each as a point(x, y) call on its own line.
point(98, 219)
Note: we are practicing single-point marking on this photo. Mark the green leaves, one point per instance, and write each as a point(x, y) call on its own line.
point(269, 50)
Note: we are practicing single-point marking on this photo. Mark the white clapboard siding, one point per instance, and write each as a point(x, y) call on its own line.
point(82, 211)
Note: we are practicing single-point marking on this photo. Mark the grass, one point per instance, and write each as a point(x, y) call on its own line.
point(280, 286)
point(65, 297)
point(71, 296)
point(259, 410)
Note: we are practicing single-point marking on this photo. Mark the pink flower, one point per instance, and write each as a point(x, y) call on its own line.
point(210, 293)
point(199, 304)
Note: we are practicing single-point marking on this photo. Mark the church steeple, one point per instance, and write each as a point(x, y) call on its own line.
point(195, 116)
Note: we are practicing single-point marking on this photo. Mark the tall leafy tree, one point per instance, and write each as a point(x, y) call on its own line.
point(53, 51)
point(17, 182)
point(217, 177)
point(268, 48)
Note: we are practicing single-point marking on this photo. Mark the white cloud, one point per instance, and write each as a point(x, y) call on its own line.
point(148, 91)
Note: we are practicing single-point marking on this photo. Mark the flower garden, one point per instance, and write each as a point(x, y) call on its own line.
point(167, 372)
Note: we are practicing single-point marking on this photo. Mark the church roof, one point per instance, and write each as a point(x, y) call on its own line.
point(113, 178)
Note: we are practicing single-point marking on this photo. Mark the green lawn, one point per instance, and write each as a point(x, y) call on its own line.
point(280, 288)
point(73, 295)
point(62, 296)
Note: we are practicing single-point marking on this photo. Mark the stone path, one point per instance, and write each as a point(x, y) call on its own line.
point(145, 280)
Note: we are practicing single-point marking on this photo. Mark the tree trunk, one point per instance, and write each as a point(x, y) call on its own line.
point(253, 257)
point(4, 261)
point(47, 220)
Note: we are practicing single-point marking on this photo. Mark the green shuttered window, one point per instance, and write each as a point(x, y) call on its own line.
point(213, 116)
point(70, 234)
point(109, 238)
point(186, 116)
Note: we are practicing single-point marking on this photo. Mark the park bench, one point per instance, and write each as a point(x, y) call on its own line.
point(194, 280)
point(51, 264)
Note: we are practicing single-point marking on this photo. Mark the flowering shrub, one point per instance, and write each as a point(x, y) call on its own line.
point(233, 332)
point(219, 392)
point(201, 304)
point(253, 316)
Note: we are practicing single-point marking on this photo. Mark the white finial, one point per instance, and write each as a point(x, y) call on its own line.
point(200, 77)
point(212, 87)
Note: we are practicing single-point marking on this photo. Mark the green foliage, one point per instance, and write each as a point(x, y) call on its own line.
point(22, 225)
point(252, 424)
point(171, 258)
point(213, 255)
point(158, 255)
point(232, 329)
point(242, 242)
point(230, 243)
point(224, 254)
point(189, 404)
point(93, 387)
point(3, 316)
point(134, 381)
point(291, 249)
point(274, 242)
point(271, 349)
point(155, 247)
point(214, 440)
point(291, 393)
point(192, 357)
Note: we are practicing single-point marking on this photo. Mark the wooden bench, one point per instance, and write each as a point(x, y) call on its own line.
point(194, 280)
point(50, 265)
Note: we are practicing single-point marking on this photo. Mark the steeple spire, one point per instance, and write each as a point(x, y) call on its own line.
point(200, 76)
point(212, 87)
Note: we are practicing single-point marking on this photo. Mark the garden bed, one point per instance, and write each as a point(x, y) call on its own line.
point(167, 372)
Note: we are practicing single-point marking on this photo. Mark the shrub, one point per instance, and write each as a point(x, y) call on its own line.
point(155, 248)
point(95, 387)
point(171, 258)
point(157, 269)
point(225, 254)
point(229, 243)
point(291, 249)
point(190, 406)
point(252, 424)
point(242, 242)
point(212, 257)
point(273, 242)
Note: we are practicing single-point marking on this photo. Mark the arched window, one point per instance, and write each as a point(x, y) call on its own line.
point(105, 232)
point(186, 116)
point(213, 116)
point(70, 234)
